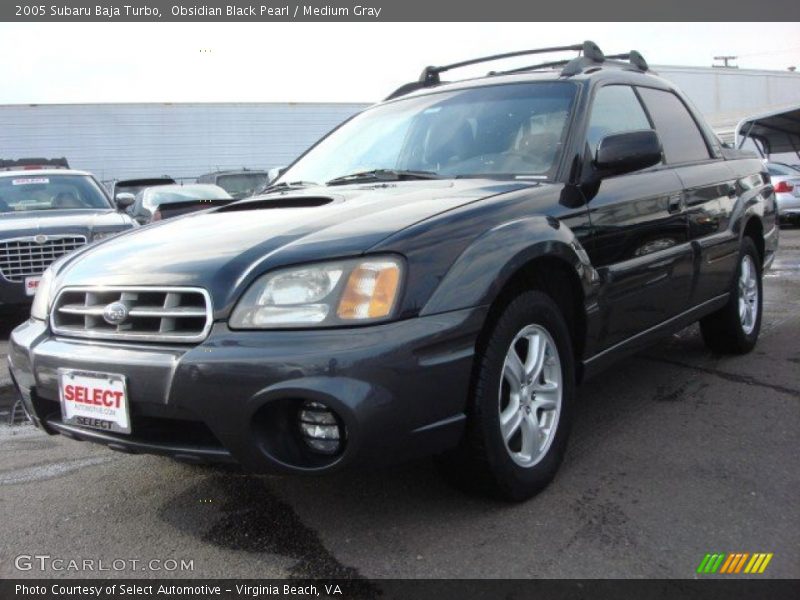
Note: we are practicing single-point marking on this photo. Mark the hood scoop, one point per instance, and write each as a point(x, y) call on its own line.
point(280, 202)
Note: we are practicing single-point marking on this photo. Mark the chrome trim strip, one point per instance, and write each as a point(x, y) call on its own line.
point(135, 337)
point(50, 237)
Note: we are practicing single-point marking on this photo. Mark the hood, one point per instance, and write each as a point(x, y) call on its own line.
point(223, 249)
point(59, 221)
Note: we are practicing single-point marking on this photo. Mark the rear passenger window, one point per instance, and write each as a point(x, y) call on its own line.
point(616, 109)
point(680, 136)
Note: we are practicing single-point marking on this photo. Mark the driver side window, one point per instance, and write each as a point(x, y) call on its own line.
point(615, 109)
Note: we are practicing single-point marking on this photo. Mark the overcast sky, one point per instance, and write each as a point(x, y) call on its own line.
point(326, 62)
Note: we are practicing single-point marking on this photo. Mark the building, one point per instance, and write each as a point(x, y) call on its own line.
point(185, 140)
point(118, 141)
point(727, 96)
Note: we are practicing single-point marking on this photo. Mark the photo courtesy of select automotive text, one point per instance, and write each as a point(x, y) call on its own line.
point(386, 300)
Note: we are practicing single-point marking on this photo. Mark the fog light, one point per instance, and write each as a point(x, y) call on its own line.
point(320, 428)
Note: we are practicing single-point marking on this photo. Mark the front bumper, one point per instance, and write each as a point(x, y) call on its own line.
point(399, 388)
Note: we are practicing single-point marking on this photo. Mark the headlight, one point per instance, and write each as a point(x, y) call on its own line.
point(322, 295)
point(41, 301)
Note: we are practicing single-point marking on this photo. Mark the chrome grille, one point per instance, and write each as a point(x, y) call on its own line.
point(153, 314)
point(25, 257)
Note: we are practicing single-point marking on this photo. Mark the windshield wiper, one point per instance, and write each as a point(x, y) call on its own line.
point(382, 175)
point(284, 185)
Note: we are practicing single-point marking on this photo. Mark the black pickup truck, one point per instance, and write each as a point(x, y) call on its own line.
point(434, 277)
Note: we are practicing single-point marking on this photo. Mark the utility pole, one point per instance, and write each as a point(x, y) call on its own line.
point(725, 60)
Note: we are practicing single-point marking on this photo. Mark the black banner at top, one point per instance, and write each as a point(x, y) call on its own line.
point(397, 10)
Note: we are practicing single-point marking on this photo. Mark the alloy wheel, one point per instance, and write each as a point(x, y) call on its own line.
point(748, 294)
point(530, 395)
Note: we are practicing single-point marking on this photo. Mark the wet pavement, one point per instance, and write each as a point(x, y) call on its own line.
point(675, 452)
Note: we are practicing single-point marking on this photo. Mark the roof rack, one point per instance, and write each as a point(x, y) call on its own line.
point(636, 59)
point(587, 61)
point(589, 56)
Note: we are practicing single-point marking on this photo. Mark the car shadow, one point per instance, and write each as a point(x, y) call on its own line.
point(270, 514)
point(10, 318)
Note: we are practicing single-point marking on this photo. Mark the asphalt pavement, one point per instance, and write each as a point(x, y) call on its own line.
point(675, 453)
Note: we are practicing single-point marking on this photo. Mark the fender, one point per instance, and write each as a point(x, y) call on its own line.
point(755, 202)
point(485, 267)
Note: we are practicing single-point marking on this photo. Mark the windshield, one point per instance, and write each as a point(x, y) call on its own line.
point(502, 130)
point(20, 193)
point(167, 195)
point(242, 185)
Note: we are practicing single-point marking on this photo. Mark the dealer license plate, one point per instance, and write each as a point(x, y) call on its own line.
point(96, 400)
point(31, 284)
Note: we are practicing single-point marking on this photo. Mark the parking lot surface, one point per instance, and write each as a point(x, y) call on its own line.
point(675, 453)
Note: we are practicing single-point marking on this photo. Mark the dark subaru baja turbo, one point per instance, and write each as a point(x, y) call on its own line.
point(434, 277)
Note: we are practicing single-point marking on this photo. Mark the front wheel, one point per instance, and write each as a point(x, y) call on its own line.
point(734, 328)
point(521, 405)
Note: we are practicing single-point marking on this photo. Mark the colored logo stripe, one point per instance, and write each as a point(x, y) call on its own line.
point(710, 563)
point(758, 563)
point(732, 563)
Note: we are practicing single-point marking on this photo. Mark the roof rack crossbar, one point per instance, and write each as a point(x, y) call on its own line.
point(431, 74)
point(636, 59)
point(589, 55)
point(585, 61)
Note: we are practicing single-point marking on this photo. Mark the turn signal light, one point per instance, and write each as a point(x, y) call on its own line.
point(371, 290)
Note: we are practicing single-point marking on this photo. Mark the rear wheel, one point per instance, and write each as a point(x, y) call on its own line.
point(520, 407)
point(734, 328)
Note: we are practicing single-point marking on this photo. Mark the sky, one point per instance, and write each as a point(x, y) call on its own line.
point(326, 62)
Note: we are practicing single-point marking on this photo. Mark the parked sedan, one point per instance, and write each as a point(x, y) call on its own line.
point(44, 214)
point(786, 180)
point(166, 201)
point(134, 186)
point(239, 183)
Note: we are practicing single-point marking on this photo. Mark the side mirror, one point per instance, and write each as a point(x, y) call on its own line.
point(627, 152)
point(123, 200)
point(274, 173)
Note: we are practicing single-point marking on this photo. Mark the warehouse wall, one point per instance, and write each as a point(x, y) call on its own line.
point(186, 140)
point(726, 96)
point(180, 140)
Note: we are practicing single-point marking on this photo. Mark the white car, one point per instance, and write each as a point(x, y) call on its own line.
point(786, 180)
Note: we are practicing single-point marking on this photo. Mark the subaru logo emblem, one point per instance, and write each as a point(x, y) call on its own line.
point(115, 313)
point(40, 239)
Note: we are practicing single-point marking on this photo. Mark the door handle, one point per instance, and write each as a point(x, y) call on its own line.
point(675, 204)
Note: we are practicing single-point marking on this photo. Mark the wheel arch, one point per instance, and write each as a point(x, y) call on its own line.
point(555, 277)
point(754, 228)
point(538, 253)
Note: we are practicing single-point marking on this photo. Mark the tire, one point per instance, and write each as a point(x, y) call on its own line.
point(522, 466)
point(734, 329)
